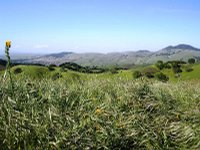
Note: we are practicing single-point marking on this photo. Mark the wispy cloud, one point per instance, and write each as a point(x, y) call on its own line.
point(39, 46)
point(17, 46)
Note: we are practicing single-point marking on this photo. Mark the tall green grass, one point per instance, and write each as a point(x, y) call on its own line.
point(99, 113)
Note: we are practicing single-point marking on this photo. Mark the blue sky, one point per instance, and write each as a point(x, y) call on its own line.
point(46, 26)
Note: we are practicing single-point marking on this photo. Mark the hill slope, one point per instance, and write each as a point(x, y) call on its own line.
point(179, 52)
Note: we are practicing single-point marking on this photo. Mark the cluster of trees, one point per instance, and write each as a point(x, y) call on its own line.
point(151, 73)
point(88, 69)
point(176, 65)
point(79, 68)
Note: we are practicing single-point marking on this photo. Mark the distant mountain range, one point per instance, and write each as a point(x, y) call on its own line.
point(179, 52)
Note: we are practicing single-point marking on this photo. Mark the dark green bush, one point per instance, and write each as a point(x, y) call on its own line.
point(52, 65)
point(137, 74)
point(191, 61)
point(82, 69)
point(177, 69)
point(159, 64)
point(17, 70)
point(149, 72)
point(167, 65)
point(51, 68)
point(161, 77)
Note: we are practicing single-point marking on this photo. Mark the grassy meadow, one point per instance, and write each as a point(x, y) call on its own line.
point(68, 110)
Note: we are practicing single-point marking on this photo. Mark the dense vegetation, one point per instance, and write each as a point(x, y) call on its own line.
point(79, 68)
point(99, 114)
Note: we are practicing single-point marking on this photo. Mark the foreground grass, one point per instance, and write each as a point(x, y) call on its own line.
point(99, 113)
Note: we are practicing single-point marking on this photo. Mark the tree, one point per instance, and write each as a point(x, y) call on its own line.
point(177, 69)
point(161, 77)
point(150, 72)
point(159, 64)
point(137, 74)
point(167, 65)
point(191, 61)
point(51, 68)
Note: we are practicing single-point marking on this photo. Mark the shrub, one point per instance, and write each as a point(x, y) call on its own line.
point(17, 70)
point(51, 67)
point(149, 75)
point(191, 61)
point(72, 66)
point(160, 64)
point(137, 74)
point(177, 69)
point(113, 71)
point(167, 65)
point(188, 69)
point(176, 63)
point(161, 77)
point(149, 72)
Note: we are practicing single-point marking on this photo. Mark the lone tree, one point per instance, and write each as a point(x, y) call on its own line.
point(191, 61)
point(159, 64)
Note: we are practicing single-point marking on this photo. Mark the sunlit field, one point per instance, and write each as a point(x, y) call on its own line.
point(99, 113)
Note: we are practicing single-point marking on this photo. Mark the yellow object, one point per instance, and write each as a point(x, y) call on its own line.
point(8, 44)
point(98, 111)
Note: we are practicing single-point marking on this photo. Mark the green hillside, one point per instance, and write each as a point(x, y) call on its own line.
point(184, 76)
point(39, 72)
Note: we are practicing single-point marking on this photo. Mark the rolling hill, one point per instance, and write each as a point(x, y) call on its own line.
point(179, 52)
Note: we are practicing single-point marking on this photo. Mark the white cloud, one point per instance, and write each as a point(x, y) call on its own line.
point(39, 46)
